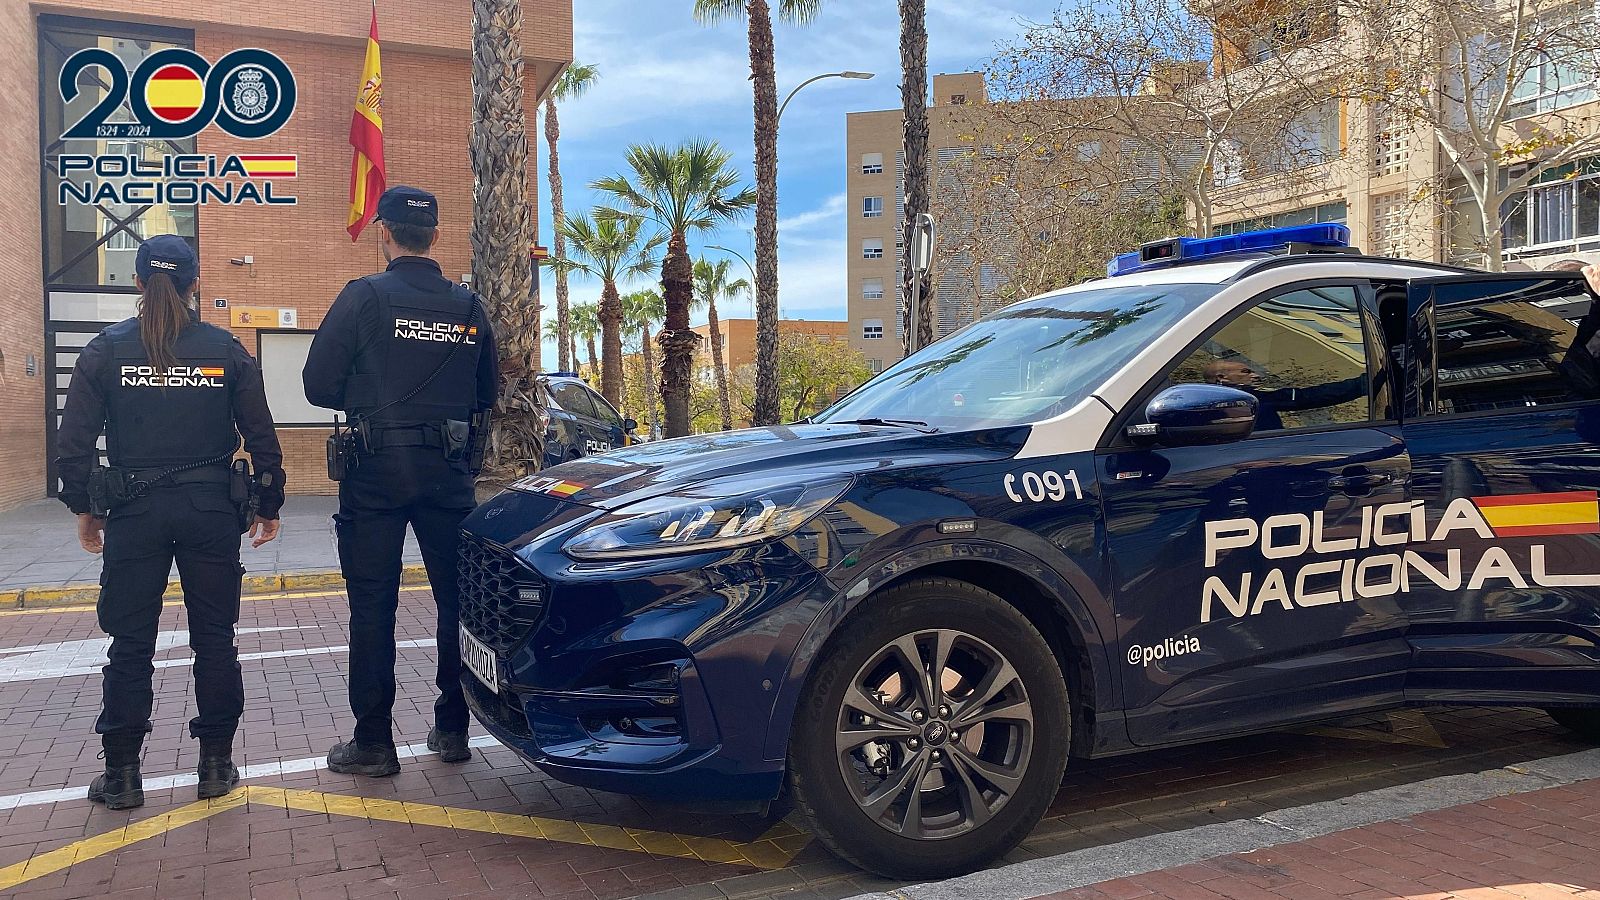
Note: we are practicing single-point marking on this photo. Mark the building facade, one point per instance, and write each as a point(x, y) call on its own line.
point(875, 183)
point(268, 272)
point(739, 341)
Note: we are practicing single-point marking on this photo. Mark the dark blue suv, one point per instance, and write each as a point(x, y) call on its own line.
point(581, 420)
point(1241, 483)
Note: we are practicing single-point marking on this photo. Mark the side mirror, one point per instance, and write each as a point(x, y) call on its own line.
point(1197, 414)
point(630, 424)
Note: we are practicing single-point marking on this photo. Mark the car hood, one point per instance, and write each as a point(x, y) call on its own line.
point(610, 480)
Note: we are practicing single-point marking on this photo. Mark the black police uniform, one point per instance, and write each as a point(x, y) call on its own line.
point(155, 422)
point(385, 335)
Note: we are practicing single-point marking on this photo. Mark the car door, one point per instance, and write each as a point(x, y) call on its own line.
point(1255, 580)
point(1505, 444)
point(607, 431)
point(573, 399)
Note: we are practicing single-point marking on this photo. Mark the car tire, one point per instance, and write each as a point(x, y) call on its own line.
point(983, 783)
point(1584, 722)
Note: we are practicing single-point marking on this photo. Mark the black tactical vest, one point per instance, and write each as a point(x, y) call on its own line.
point(158, 419)
point(421, 329)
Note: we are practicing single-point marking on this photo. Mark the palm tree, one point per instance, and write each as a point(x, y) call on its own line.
point(585, 323)
point(611, 249)
point(502, 232)
point(577, 79)
point(641, 310)
point(914, 97)
point(763, 78)
point(682, 189)
point(710, 283)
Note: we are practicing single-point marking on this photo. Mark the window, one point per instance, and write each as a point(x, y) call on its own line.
point(602, 409)
point(1327, 212)
point(573, 397)
point(1555, 82)
point(872, 248)
point(1391, 216)
point(872, 288)
point(875, 366)
point(872, 329)
point(1314, 136)
point(1502, 344)
point(871, 207)
point(958, 99)
point(872, 163)
point(1560, 208)
point(1391, 144)
point(1302, 354)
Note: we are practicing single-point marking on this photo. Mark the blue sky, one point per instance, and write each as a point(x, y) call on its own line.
point(664, 78)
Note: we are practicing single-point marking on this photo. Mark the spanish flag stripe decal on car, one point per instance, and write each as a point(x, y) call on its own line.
point(257, 166)
point(565, 488)
point(1522, 515)
point(174, 93)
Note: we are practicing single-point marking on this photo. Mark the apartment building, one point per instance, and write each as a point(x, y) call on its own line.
point(70, 268)
point(875, 183)
point(739, 341)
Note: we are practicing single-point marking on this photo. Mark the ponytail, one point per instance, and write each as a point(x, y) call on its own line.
point(163, 314)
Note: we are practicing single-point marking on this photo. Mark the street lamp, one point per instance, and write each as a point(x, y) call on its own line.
point(752, 291)
point(785, 104)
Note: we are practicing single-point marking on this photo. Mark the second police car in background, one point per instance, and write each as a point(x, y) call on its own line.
point(1245, 482)
point(581, 421)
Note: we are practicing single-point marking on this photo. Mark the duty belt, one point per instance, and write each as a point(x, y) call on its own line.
point(214, 474)
point(407, 436)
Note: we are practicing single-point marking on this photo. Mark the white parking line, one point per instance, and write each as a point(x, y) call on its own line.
point(64, 658)
point(185, 779)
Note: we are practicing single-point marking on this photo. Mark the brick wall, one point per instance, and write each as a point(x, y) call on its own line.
point(302, 254)
point(22, 470)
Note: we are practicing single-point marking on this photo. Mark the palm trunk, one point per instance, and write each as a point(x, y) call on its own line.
point(677, 338)
point(501, 231)
point(611, 343)
point(652, 400)
point(914, 97)
point(766, 412)
point(552, 134)
point(572, 350)
point(594, 358)
point(716, 363)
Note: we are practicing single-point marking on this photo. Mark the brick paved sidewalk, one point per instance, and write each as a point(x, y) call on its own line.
point(1539, 845)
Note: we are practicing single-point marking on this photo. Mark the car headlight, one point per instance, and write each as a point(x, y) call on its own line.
point(715, 515)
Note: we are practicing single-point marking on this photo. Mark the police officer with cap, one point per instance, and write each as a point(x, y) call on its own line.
point(408, 355)
point(173, 395)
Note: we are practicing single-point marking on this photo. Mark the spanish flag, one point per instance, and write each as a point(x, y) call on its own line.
point(1526, 515)
point(366, 136)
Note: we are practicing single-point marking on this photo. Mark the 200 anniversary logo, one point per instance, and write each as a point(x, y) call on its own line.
point(175, 94)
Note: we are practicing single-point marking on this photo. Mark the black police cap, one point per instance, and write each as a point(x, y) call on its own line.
point(403, 205)
point(169, 255)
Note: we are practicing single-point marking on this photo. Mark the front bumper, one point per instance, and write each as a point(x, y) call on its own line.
point(656, 678)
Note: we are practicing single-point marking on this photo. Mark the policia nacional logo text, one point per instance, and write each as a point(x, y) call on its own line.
point(175, 377)
point(441, 332)
point(174, 94)
point(1364, 565)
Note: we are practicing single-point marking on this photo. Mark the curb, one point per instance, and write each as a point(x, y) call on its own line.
point(80, 594)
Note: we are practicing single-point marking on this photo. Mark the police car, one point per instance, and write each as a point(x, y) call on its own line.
point(1241, 483)
point(581, 420)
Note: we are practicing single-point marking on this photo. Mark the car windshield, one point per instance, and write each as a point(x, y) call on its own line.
point(1023, 364)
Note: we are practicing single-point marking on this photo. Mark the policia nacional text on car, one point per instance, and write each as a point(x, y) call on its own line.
point(408, 355)
point(173, 395)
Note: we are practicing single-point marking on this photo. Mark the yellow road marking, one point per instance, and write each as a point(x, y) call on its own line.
point(772, 850)
point(112, 841)
point(285, 595)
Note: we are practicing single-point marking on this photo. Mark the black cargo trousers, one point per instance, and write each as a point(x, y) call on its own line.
point(196, 525)
point(390, 489)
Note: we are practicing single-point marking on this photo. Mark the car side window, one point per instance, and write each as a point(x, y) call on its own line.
point(603, 410)
point(1513, 344)
point(574, 399)
point(1303, 354)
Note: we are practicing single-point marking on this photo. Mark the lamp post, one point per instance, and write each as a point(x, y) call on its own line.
point(752, 291)
point(784, 105)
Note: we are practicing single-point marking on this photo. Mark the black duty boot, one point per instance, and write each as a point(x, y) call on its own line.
point(218, 774)
point(351, 758)
point(450, 745)
point(120, 787)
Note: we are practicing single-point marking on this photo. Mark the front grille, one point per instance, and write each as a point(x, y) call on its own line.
point(501, 599)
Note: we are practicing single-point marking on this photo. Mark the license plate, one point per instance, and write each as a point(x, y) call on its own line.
point(479, 660)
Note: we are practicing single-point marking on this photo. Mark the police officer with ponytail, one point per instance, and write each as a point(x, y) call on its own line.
point(408, 356)
point(173, 397)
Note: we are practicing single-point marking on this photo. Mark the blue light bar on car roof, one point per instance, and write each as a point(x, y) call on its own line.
point(1171, 251)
